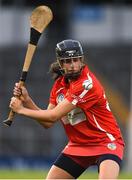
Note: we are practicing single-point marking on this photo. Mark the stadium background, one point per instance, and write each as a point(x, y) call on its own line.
point(105, 31)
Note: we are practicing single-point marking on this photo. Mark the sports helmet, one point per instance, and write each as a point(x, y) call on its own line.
point(68, 48)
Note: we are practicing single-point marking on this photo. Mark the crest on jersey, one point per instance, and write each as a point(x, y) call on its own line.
point(111, 146)
point(60, 98)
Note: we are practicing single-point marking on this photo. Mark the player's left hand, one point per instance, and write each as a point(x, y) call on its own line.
point(16, 104)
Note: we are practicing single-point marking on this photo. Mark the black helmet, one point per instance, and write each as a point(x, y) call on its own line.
point(68, 48)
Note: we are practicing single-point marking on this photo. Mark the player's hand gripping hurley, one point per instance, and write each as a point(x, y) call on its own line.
point(39, 19)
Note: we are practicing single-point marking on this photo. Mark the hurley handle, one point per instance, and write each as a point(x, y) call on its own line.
point(11, 115)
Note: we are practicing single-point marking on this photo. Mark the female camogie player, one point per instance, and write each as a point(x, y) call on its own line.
point(78, 99)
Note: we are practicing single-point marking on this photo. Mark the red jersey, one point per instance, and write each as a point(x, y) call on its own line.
point(91, 123)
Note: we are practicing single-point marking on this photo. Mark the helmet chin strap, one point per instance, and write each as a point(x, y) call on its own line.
point(74, 75)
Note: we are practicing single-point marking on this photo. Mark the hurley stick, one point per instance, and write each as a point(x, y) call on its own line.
point(39, 20)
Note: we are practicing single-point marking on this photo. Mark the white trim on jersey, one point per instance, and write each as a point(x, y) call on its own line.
point(75, 101)
point(111, 137)
point(83, 93)
point(59, 90)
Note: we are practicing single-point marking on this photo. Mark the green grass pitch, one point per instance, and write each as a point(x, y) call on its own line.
point(41, 174)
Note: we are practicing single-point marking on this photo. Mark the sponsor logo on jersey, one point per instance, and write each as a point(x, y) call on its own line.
point(60, 98)
point(74, 117)
point(111, 146)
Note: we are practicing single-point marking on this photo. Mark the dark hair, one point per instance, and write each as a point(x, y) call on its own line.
point(55, 70)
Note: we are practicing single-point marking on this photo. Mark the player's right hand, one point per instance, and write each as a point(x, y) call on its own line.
point(16, 104)
point(21, 92)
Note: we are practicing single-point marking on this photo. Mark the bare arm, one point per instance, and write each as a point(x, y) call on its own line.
point(42, 116)
point(47, 124)
point(29, 103)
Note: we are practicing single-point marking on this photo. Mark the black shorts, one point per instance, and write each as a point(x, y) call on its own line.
point(69, 163)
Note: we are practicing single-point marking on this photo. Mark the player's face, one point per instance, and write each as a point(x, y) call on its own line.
point(71, 65)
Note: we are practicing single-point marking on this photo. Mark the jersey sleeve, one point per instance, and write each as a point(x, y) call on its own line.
point(83, 92)
point(52, 98)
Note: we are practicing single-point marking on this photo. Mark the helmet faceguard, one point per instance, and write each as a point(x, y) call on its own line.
point(69, 49)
